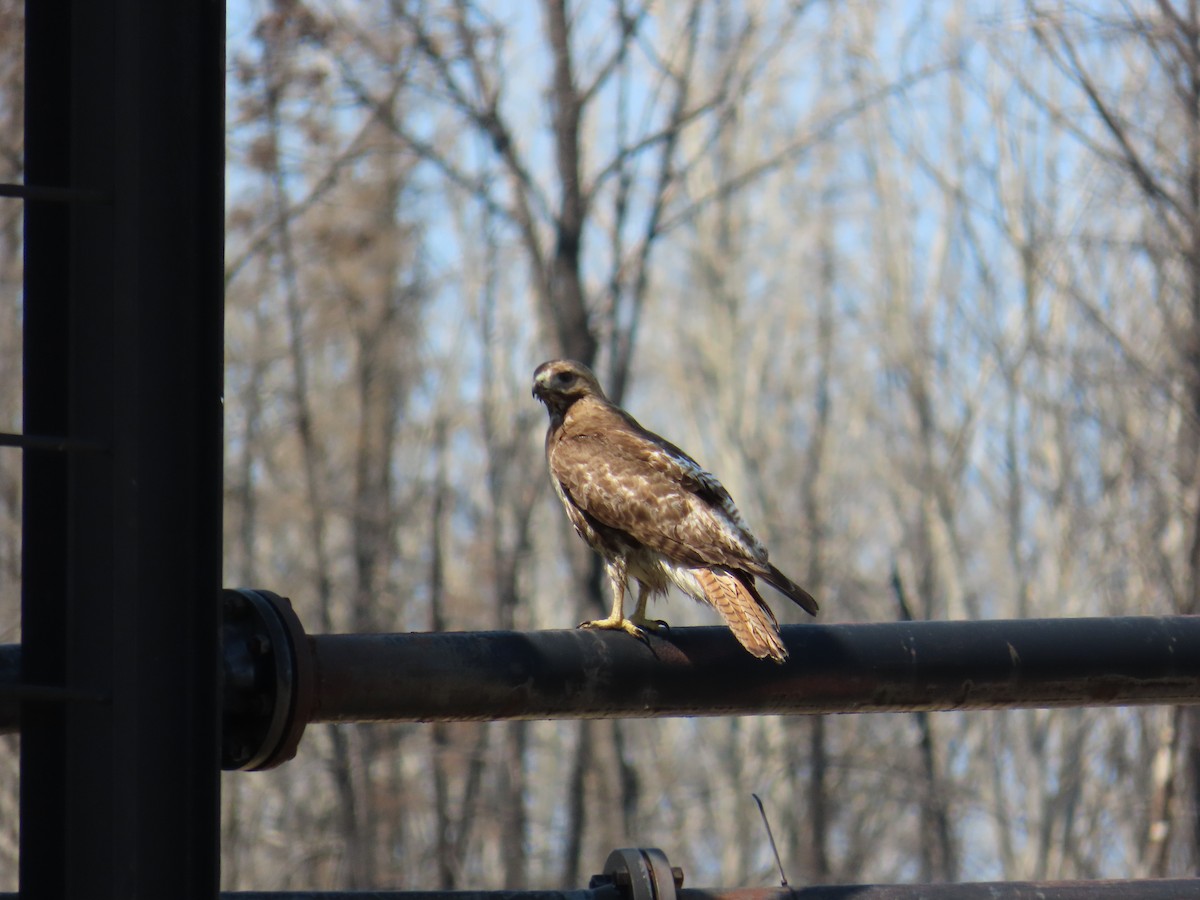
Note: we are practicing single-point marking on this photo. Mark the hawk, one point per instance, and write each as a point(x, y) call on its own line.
point(653, 513)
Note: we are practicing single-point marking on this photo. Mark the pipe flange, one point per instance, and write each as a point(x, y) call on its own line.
point(640, 873)
point(268, 680)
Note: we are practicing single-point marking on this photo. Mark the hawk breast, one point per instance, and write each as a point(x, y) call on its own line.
point(653, 493)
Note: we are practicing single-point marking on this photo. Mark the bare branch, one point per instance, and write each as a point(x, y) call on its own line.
point(628, 25)
point(526, 192)
point(625, 340)
point(321, 186)
point(1127, 152)
point(816, 134)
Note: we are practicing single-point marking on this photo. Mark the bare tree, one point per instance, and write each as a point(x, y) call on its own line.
point(1159, 157)
point(858, 259)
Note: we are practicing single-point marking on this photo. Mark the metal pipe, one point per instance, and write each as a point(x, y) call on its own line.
point(894, 667)
point(890, 667)
point(1154, 889)
point(1159, 889)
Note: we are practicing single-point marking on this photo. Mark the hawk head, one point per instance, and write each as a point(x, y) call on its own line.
point(560, 382)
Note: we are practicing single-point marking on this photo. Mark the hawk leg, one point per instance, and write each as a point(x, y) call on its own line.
point(639, 615)
point(616, 621)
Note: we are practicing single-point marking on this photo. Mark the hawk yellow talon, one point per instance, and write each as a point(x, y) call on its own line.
point(627, 625)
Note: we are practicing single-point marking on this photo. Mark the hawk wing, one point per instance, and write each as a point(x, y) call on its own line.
point(657, 495)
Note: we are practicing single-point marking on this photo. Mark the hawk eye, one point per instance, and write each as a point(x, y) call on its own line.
point(562, 379)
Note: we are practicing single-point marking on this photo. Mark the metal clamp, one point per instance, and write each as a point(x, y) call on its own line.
point(640, 874)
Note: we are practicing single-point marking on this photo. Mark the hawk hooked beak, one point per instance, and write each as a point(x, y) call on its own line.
point(541, 382)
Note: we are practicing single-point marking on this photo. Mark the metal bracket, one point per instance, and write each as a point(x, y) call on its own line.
point(640, 874)
point(268, 680)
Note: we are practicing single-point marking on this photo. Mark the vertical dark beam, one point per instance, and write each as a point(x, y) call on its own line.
point(122, 545)
point(44, 475)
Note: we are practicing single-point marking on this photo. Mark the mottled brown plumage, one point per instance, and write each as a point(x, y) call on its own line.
point(652, 512)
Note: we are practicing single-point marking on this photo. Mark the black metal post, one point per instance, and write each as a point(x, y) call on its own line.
point(122, 477)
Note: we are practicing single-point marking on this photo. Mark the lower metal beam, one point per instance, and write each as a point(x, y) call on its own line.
point(1155, 889)
point(1164, 889)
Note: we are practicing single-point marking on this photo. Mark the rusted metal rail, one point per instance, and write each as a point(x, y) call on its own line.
point(1157, 889)
point(278, 678)
point(1162, 889)
point(646, 874)
point(1165, 889)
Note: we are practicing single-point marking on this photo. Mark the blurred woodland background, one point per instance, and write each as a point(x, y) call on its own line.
point(920, 281)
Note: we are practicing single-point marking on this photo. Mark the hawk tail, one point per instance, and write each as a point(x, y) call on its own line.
point(789, 589)
point(733, 595)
